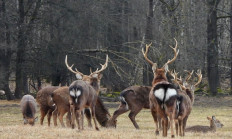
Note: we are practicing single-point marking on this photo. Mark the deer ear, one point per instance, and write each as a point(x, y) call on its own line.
point(154, 67)
point(100, 76)
point(209, 118)
point(25, 120)
point(79, 76)
point(166, 68)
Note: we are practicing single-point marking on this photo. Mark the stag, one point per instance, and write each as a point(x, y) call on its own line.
point(45, 102)
point(83, 93)
point(163, 95)
point(185, 100)
point(133, 99)
point(28, 108)
point(61, 98)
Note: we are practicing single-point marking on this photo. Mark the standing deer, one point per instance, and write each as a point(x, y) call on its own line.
point(45, 102)
point(133, 99)
point(28, 108)
point(163, 95)
point(61, 98)
point(83, 94)
point(186, 100)
point(214, 124)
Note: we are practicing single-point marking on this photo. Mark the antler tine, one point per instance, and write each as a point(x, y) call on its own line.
point(189, 75)
point(103, 67)
point(177, 80)
point(70, 68)
point(176, 52)
point(145, 54)
point(199, 75)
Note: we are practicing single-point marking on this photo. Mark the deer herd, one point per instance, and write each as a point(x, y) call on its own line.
point(170, 103)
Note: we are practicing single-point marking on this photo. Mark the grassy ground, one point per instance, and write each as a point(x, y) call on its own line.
point(11, 123)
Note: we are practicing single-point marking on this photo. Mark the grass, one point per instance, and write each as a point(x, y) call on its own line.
point(11, 123)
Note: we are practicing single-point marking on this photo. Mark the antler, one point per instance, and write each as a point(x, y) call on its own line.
point(176, 52)
point(145, 54)
point(189, 75)
point(70, 68)
point(103, 67)
point(177, 80)
point(199, 75)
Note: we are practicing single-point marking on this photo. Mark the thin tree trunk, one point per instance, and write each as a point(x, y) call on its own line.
point(231, 50)
point(147, 76)
point(212, 48)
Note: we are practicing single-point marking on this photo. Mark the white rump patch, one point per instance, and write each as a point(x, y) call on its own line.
point(159, 93)
point(72, 93)
point(170, 92)
point(54, 104)
point(78, 93)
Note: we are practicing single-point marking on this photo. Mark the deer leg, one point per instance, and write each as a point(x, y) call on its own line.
point(155, 118)
point(132, 115)
point(165, 126)
point(176, 126)
point(94, 117)
point(54, 114)
point(43, 112)
point(73, 114)
point(82, 119)
point(88, 116)
point(68, 119)
point(171, 124)
point(60, 116)
point(122, 109)
point(78, 118)
point(49, 116)
point(184, 124)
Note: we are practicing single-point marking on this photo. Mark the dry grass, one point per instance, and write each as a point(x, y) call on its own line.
point(11, 123)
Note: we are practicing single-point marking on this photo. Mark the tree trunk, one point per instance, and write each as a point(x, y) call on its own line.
point(231, 50)
point(212, 48)
point(147, 70)
point(20, 51)
point(5, 58)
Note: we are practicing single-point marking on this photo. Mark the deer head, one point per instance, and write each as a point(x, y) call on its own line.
point(160, 73)
point(93, 78)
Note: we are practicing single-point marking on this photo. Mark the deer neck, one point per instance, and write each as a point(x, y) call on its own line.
point(159, 81)
point(96, 86)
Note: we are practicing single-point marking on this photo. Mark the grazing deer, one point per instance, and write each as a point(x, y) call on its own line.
point(163, 95)
point(84, 93)
point(47, 106)
point(133, 99)
point(214, 124)
point(61, 98)
point(28, 107)
point(185, 100)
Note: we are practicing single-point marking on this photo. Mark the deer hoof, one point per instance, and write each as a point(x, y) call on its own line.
point(157, 132)
point(73, 126)
point(173, 136)
point(97, 128)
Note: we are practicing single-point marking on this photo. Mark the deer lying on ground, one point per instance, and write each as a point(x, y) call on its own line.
point(61, 98)
point(133, 99)
point(163, 95)
point(45, 102)
point(84, 93)
point(28, 108)
point(185, 100)
point(214, 124)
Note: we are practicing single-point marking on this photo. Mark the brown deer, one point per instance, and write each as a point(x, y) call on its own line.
point(47, 106)
point(163, 95)
point(84, 93)
point(214, 124)
point(61, 98)
point(185, 100)
point(133, 99)
point(28, 108)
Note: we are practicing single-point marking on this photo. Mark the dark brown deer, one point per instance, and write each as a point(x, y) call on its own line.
point(84, 93)
point(133, 99)
point(47, 106)
point(61, 98)
point(214, 124)
point(163, 95)
point(28, 107)
point(185, 101)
